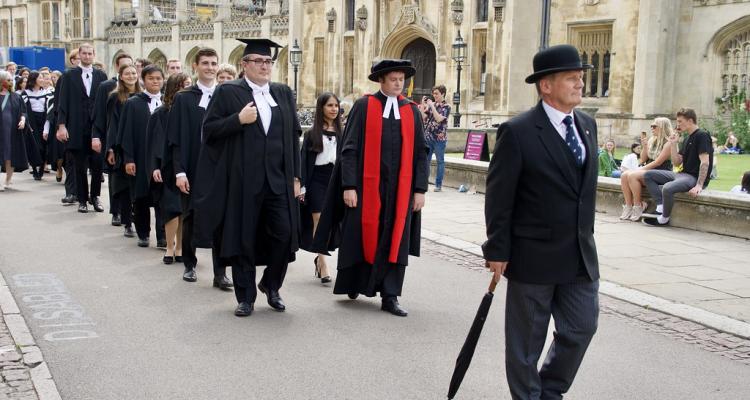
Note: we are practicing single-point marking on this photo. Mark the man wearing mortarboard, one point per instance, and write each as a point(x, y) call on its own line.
point(248, 177)
point(377, 191)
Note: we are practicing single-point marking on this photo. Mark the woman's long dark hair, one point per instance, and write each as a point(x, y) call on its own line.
point(174, 84)
point(31, 81)
point(746, 182)
point(316, 133)
point(123, 93)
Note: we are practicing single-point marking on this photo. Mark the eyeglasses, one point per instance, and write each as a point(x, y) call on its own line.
point(260, 62)
point(653, 126)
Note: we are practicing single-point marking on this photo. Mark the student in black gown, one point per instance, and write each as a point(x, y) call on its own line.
point(99, 128)
point(184, 144)
point(127, 86)
point(166, 196)
point(379, 217)
point(131, 131)
point(61, 159)
point(74, 111)
point(36, 97)
point(247, 180)
point(318, 155)
point(12, 128)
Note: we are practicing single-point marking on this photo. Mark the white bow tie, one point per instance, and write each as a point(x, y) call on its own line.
point(391, 103)
point(266, 94)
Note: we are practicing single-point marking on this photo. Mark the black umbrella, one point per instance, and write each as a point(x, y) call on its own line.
point(467, 351)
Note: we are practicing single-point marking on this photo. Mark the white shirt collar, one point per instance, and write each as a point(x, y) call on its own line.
point(153, 96)
point(205, 89)
point(88, 69)
point(391, 103)
point(555, 115)
point(255, 86)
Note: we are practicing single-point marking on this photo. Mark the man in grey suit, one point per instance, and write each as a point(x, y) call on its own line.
point(541, 192)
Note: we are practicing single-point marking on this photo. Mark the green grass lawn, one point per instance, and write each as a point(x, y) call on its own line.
point(730, 168)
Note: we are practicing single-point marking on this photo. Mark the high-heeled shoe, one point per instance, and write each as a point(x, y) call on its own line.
point(324, 279)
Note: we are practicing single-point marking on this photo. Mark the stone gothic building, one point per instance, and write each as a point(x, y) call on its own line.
point(650, 56)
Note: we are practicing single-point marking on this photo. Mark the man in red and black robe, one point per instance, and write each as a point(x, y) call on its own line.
point(372, 212)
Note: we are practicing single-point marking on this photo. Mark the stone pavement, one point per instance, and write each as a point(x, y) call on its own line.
point(707, 271)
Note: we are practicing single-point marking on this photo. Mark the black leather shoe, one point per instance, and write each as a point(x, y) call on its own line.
point(143, 242)
point(129, 232)
point(161, 243)
point(353, 296)
point(244, 309)
point(189, 275)
point(68, 200)
point(273, 297)
point(178, 259)
point(97, 204)
point(168, 260)
point(391, 305)
point(223, 283)
point(116, 220)
point(83, 208)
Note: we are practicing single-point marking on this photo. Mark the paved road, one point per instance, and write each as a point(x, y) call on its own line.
point(135, 330)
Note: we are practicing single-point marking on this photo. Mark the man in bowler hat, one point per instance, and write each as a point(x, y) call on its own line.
point(539, 210)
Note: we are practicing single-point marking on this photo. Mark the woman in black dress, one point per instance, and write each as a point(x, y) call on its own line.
point(37, 97)
point(167, 198)
point(127, 86)
point(12, 128)
point(318, 157)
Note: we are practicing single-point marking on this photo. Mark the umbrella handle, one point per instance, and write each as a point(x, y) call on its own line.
point(493, 284)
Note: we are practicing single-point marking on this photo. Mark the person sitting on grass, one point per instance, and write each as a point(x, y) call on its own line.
point(607, 164)
point(744, 186)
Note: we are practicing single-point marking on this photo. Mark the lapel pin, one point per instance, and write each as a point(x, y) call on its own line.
point(587, 132)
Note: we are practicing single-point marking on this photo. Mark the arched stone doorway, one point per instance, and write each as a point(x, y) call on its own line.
point(421, 52)
point(158, 58)
point(189, 60)
point(235, 57)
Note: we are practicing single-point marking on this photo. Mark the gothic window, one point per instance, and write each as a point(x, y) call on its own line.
point(483, 72)
point(482, 10)
point(725, 86)
point(727, 58)
point(349, 15)
point(86, 6)
point(20, 32)
point(75, 15)
point(735, 65)
point(594, 42)
point(4, 33)
point(164, 10)
point(319, 60)
point(348, 65)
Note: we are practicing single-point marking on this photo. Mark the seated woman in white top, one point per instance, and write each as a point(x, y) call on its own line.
point(744, 186)
point(630, 161)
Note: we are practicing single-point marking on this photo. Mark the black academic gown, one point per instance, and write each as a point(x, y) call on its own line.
point(167, 197)
point(120, 180)
point(184, 140)
point(132, 129)
point(55, 148)
point(31, 144)
point(75, 108)
point(101, 115)
point(225, 189)
point(18, 158)
point(341, 227)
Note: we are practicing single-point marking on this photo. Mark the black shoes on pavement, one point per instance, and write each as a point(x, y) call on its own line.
point(161, 243)
point(69, 200)
point(83, 208)
point(97, 204)
point(129, 232)
point(116, 220)
point(273, 297)
point(391, 305)
point(244, 309)
point(189, 275)
point(223, 283)
point(143, 242)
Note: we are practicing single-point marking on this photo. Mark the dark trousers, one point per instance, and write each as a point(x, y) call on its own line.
point(69, 165)
point(114, 206)
point(188, 248)
point(528, 307)
point(274, 223)
point(87, 159)
point(142, 219)
point(125, 206)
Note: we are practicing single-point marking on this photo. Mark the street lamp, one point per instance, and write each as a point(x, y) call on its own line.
point(295, 58)
point(458, 54)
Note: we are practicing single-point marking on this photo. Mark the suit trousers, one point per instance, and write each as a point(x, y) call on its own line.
point(125, 206)
point(142, 219)
point(274, 223)
point(188, 248)
point(69, 165)
point(87, 159)
point(528, 307)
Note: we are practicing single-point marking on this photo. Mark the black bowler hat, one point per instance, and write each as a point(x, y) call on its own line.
point(383, 67)
point(260, 46)
point(553, 59)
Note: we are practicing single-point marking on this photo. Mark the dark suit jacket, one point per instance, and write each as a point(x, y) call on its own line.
point(539, 206)
point(75, 108)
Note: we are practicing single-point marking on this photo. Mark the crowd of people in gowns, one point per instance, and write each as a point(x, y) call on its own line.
point(221, 162)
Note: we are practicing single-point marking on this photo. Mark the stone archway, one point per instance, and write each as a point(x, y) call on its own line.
point(189, 58)
point(282, 67)
point(113, 65)
point(157, 57)
point(235, 57)
point(421, 52)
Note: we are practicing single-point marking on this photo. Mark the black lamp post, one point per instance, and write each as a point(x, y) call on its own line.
point(295, 58)
point(458, 54)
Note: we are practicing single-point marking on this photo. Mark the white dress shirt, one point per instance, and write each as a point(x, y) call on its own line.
point(154, 101)
point(556, 117)
point(391, 104)
point(263, 102)
point(87, 74)
point(37, 99)
point(208, 92)
point(328, 155)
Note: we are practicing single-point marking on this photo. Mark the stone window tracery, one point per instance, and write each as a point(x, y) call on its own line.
point(736, 65)
point(594, 42)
